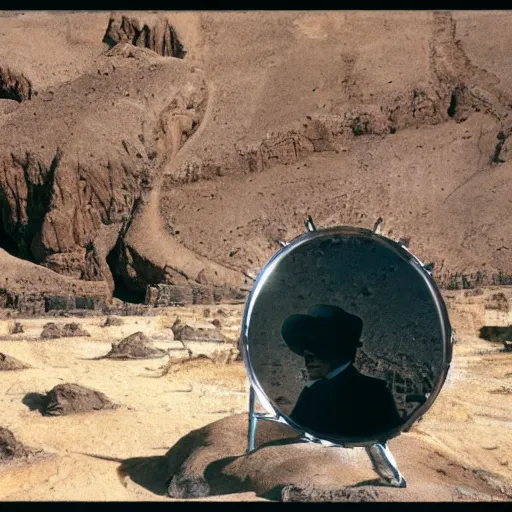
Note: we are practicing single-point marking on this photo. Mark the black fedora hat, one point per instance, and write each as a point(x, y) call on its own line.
point(324, 330)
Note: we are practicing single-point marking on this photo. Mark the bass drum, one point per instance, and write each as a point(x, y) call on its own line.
point(309, 362)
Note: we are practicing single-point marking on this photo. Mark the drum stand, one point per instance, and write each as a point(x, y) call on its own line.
point(383, 462)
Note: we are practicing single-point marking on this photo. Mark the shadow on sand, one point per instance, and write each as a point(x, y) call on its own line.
point(35, 402)
point(163, 475)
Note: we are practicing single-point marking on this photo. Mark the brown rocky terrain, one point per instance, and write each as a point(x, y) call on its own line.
point(153, 148)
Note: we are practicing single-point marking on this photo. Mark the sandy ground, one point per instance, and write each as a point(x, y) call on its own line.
point(470, 422)
point(154, 413)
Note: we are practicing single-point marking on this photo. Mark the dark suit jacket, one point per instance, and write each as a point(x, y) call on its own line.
point(349, 404)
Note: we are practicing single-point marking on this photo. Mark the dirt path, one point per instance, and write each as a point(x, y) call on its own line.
point(147, 233)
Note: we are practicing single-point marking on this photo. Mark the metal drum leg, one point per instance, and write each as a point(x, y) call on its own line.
point(253, 421)
point(385, 464)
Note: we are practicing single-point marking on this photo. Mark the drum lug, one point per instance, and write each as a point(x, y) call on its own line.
point(378, 226)
point(429, 268)
point(310, 226)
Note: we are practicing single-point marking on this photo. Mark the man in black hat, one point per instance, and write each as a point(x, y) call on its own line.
point(339, 401)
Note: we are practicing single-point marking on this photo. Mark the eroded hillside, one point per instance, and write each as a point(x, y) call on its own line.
point(143, 148)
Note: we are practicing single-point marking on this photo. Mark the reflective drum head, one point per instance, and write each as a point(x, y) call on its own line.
point(346, 337)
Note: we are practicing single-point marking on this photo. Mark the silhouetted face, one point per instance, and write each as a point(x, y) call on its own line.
point(317, 367)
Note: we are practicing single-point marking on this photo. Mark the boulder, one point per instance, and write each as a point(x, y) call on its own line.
point(112, 321)
point(135, 346)
point(10, 447)
point(185, 332)
point(17, 328)
point(51, 331)
point(8, 363)
point(65, 399)
point(73, 329)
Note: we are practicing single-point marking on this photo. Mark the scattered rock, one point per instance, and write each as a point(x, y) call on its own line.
point(51, 331)
point(184, 332)
point(186, 357)
point(216, 323)
point(225, 356)
point(112, 321)
point(67, 398)
point(10, 448)
point(206, 312)
point(17, 328)
point(222, 312)
point(495, 481)
point(8, 363)
point(73, 329)
point(497, 301)
point(503, 390)
point(312, 494)
point(135, 346)
point(464, 493)
point(183, 487)
point(14, 85)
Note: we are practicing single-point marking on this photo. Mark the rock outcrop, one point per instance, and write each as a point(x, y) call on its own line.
point(161, 37)
point(68, 208)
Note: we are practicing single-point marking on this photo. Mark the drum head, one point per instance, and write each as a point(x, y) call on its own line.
point(346, 337)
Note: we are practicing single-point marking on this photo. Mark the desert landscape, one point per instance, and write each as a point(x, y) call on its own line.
point(150, 165)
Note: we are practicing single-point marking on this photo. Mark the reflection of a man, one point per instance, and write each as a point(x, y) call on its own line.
point(339, 401)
